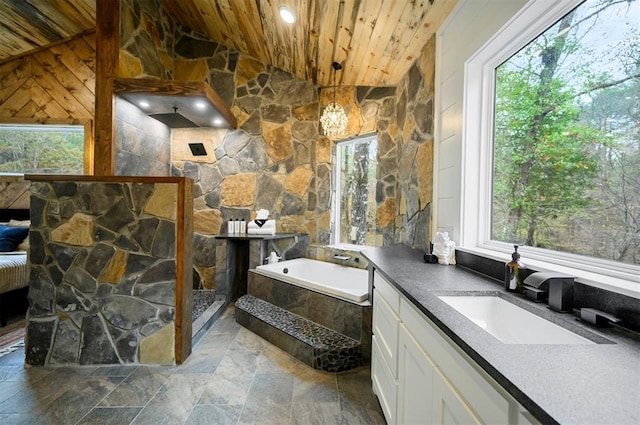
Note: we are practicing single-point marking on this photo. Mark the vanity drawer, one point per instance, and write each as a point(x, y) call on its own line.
point(387, 291)
point(386, 327)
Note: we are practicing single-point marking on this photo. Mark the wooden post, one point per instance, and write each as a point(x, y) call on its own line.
point(107, 51)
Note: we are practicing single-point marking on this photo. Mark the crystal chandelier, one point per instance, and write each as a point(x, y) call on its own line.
point(334, 119)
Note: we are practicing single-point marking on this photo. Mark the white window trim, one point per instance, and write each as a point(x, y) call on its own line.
point(477, 140)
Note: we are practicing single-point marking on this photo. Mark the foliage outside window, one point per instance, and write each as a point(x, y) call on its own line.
point(355, 212)
point(566, 155)
point(41, 149)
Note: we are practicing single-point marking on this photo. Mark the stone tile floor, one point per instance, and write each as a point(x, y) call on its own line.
point(232, 377)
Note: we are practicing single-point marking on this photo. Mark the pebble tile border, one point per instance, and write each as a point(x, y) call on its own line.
point(331, 350)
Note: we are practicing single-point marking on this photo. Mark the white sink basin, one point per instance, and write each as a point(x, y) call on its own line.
point(510, 323)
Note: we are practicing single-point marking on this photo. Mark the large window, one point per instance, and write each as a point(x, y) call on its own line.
point(551, 147)
point(355, 185)
point(41, 149)
point(566, 157)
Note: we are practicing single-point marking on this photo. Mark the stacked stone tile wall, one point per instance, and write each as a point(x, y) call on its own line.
point(102, 273)
point(143, 144)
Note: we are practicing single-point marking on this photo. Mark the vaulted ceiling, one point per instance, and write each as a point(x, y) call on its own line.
point(27, 25)
point(376, 41)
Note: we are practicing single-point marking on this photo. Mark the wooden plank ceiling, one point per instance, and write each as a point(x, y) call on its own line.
point(376, 41)
point(26, 25)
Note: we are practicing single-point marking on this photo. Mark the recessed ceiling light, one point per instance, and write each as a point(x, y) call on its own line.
point(287, 14)
point(200, 104)
point(218, 121)
point(144, 104)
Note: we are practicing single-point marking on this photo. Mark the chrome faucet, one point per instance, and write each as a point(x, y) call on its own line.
point(341, 257)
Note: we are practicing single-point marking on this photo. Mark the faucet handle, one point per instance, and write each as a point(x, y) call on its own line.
point(597, 317)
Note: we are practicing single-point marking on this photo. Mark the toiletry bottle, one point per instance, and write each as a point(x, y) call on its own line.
point(243, 226)
point(230, 228)
point(514, 272)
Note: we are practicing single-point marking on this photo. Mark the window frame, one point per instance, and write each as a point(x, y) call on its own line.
point(477, 157)
point(336, 222)
point(88, 159)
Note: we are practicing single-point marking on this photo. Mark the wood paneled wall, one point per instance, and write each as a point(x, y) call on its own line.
point(52, 85)
point(55, 85)
point(14, 192)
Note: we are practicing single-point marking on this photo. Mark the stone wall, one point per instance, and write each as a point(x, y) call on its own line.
point(277, 158)
point(143, 144)
point(415, 144)
point(146, 40)
point(102, 273)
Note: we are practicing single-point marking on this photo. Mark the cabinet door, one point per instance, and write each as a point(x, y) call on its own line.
point(448, 408)
point(479, 391)
point(385, 328)
point(415, 377)
point(384, 384)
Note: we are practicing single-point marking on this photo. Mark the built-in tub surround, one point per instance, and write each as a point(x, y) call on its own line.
point(236, 254)
point(352, 320)
point(110, 278)
point(346, 283)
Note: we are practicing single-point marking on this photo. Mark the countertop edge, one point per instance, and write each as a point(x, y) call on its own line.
point(538, 412)
point(390, 270)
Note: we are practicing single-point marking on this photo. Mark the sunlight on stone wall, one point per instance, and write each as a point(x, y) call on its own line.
point(278, 159)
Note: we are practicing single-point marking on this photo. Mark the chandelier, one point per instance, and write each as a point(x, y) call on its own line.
point(334, 119)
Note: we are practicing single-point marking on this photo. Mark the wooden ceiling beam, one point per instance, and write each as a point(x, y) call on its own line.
point(107, 54)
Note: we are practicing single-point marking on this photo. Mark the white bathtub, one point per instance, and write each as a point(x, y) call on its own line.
point(346, 283)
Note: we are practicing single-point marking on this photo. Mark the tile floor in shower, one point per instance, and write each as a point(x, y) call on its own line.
point(232, 377)
point(202, 300)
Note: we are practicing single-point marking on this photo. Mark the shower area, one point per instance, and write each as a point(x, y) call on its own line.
point(148, 146)
point(202, 300)
point(207, 307)
point(220, 266)
point(208, 298)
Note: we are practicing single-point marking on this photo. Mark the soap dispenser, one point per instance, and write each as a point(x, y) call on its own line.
point(514, 272)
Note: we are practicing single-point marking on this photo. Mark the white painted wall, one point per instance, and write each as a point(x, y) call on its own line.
point(471, 24)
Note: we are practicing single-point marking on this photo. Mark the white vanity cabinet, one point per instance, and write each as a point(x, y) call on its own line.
point(447, 406)
point(415, 377)
point(421, 377)
point(384, 364)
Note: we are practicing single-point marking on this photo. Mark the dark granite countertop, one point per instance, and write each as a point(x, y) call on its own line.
point(566, 384)
point(249, 236)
